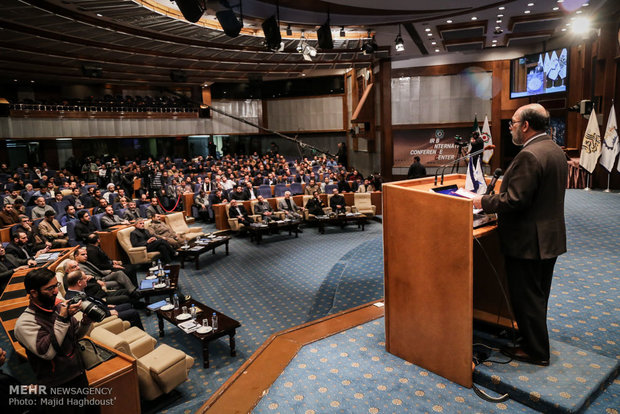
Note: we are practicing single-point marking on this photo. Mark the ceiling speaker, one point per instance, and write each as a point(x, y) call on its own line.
point(324, 34)
point(229, 22)
point(272, 33)
point(192, 9)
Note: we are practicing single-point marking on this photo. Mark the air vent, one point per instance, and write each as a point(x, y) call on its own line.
point(463, 47)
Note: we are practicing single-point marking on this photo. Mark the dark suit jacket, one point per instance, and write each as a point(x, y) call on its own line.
point(82, 230)
point(139, 237)
point(8, 219)
point(98, 257)
point(232, 212)
point(530, 202)
point(16, 251)
point(336, 200)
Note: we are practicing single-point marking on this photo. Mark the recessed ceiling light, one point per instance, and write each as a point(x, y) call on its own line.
point(428, 29)
point(14, 80)
point(556, 8)
point(494, 44)
point(578, 12)
point(494, 40)
point(530, 4)
point(433, 43)
point(429, 34)
point(99, 14)
point(303, 74)
point(563, 29)
point(498, 21)
point(527, 12)
point(448, 21)
point(585, 4)
point(573, 18)
point(501, 8)
point(436, 50)
point(500, 15)
point(560, 1)
point(567, 24)
point(474, 18)
point(497, 27)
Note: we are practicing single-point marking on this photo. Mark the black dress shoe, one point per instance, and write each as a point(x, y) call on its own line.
point(519, 354)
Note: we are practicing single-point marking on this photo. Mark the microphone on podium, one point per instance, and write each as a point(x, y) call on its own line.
point(443, 167)
point(491, 187)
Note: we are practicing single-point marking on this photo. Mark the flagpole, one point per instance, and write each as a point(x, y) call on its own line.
point(587, 182)
point(608, 177)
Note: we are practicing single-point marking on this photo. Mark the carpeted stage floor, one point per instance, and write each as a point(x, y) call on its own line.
point(285, 282)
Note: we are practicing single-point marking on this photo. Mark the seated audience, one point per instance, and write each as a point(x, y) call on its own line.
point(19, 247)
point(8, 215)
point(287, 204)
point(132, 212)
point(154, 208)
point(315, 205)
point(113, 279)
point(84, 227)
point(311, 187)
point(69, 215)
point(76, 282)
point(343, 185)
point(143, 237)
point(201, 201)
point(9, 264)
point(265, 210)
point(164, 231)
point(110, 219)
point(13, 197)
point(239, 212)
point(49, 228)
point(238, 194)
point(99, 258)
point(219, 198)
point(100, 208)
point(249, 191)
point(96, 288)
point(39, 210)
point(337, 203)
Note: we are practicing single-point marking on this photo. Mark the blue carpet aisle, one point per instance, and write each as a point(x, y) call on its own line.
point(351, 372)
point(286, 281)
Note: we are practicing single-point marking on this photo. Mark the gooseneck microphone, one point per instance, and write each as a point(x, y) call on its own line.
point(491, 187)
point(443, 167)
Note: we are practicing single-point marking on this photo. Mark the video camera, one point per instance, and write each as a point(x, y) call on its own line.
point(460, 141)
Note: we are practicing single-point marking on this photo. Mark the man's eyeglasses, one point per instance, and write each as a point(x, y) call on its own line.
point(51, 288)
point(512, 123)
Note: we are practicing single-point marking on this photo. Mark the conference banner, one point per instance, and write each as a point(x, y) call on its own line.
point(434, 146)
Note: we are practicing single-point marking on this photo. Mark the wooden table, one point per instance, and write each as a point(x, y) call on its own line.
point(341, 220)
point(226, 326)
point(174, 283)
point(210, 244)
point(257, 230)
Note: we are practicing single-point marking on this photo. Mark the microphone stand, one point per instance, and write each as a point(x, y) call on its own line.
point(443, 167)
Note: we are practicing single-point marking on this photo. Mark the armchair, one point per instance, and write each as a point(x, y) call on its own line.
point(362, 203)
point(137, 255)
point(177, 222)
point(160, 370)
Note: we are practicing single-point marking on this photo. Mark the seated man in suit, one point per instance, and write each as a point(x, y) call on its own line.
point(239, 212)
point(201, 201)
point(100, 259)
point(19, 247)
point(250, 194)
point(113, 279)
point(238, 194)
point(263, 208)
point(76, 282)
point(109, 219)
point(8, 215)
point(74, 198)
point(49, 228)
point(9, 264)
point(132, 212)
point(96, 288)
point(143, 237)
point(337, 203)
point(315, 205)
point(154, 208)
point(164, 231)
point(39, 210)
point(101, 205)
point(219, 197)
point(287, 204)
point(84, 227)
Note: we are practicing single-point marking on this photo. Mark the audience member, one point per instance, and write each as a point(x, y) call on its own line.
point(8, 215)
point(291, 210)
point(19, 247)
point(143, 237)
point(239, 212)
point(337, 203)
point(315, 205)
point(265, 210)
point(69, 215)
point(113, 279)
point(39, 210)
point(132, 213)
point(201, 201)
point(99, 258)
point(49, 228)
point(84, 227)
point(110, 219)
point(163, 231)
point(154, 208)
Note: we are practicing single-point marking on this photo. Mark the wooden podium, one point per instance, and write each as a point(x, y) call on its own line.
point(437, 277)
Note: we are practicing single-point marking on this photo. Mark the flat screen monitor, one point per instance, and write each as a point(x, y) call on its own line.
point(539, 73)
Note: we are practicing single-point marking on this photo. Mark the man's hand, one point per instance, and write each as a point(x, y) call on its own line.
point(113, 313)
point(152, 239)
point(101, 283)
point(70, 310)
point(477, 201)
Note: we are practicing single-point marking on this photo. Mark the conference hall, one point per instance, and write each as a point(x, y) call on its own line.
point(296, 206)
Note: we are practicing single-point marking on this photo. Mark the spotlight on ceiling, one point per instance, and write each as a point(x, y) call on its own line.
point(273, 38)
point(192, 10)
point(370, 46)
point(305, 49)
point(399, 45)
point(229, 22)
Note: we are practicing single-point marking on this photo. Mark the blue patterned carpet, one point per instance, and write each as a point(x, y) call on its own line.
point(285, 282)
point(352, 373)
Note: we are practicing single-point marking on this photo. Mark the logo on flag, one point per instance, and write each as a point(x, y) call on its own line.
point(475, 179)
point(611, 146)
point(591, 145)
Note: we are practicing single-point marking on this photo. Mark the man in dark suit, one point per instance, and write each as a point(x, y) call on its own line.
point(239, 212)
point(102, 261)
point(19, 247)
point(530, 207)
point(143, 237)
point(337, 203)
point(84, 227)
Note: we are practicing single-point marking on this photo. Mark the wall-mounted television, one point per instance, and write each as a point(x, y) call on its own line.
point(539, 73)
